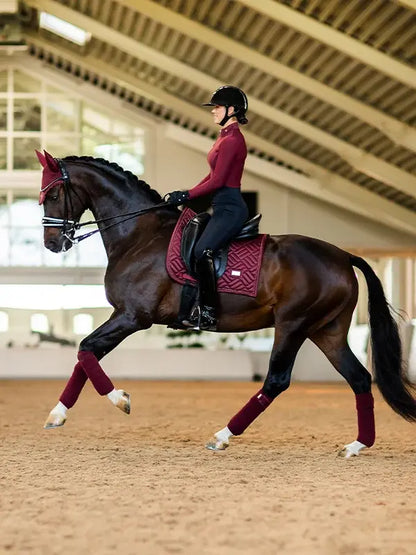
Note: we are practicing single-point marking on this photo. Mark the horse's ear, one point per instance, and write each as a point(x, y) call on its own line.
point(41, 158)
point(51, 162)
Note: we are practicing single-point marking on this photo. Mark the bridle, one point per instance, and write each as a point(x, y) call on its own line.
point(69, 227)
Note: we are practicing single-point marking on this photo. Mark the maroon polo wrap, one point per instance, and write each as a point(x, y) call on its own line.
point(242, 420)
point(74, 386)
point(365, 415)
point(95, 373)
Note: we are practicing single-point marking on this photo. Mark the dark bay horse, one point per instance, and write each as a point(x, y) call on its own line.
point(307, 289)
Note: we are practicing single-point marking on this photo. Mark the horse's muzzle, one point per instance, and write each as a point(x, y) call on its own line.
point(57, 243)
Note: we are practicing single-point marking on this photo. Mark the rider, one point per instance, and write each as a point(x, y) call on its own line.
point(226, 160)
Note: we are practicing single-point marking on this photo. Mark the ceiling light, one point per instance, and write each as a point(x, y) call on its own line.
point(63, 28)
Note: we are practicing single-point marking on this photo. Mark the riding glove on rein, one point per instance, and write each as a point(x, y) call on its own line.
point(178, 197)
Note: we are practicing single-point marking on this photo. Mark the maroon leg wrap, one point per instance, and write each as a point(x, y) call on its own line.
point(95, 373)
point(365, 414)
point(74, 386)
point(242, 420)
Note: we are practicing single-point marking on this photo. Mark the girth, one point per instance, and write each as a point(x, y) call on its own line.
point(193, 231)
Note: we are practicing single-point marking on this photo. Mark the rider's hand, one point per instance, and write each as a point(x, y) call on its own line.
point(177, 197)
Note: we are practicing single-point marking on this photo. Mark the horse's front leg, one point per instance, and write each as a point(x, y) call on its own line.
point(99, 343)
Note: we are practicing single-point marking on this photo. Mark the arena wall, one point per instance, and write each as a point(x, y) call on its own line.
point(196, 364)
point(54, 361)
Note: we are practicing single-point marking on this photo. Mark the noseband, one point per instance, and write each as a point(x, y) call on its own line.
point(69, 227)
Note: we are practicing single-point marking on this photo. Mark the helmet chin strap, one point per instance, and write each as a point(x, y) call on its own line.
point(227, 116)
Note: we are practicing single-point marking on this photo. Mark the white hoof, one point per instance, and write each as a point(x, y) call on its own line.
point(54, 420)
point(220, 441)
point(352, 449)
point(217, 444)
point(123, 402)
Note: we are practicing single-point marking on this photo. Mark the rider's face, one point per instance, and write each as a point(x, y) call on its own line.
point(219, 112)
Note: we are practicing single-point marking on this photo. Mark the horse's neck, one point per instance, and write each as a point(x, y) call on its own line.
point(110, 203)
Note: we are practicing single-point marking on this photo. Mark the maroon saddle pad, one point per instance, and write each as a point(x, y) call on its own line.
point(241, 275)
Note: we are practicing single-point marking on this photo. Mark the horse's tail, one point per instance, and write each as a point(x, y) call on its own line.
point(386, 347)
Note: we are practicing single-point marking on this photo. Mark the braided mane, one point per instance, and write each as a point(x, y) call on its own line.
point(115, 168)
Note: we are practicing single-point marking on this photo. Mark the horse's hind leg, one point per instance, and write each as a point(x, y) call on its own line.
point(103, 340)
point(332, 341)
point(285, 349)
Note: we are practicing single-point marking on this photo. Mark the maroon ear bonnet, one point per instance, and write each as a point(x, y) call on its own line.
point(51, 175)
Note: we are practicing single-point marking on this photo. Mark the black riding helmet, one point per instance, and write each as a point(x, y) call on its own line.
point(230, 96)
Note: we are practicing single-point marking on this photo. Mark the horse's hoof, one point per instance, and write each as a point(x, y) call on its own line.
point(54, 420)
point(124, 402)
point(352, 450)
point(217, 444)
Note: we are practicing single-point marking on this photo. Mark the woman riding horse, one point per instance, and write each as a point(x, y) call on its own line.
point(307, 288)
point(226, 159)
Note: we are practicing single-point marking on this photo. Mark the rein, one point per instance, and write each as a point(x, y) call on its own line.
point(69, 227)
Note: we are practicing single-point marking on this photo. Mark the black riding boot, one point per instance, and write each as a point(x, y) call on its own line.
point(203, 317)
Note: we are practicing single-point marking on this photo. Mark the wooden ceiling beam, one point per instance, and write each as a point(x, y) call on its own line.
point(335, 39)
point(362, 161)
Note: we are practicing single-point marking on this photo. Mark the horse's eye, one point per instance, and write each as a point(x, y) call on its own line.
point(53, 198)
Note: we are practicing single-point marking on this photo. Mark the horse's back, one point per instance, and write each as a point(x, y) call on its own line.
point(301, 250)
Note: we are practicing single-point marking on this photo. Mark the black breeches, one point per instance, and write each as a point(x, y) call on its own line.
point(230, 212)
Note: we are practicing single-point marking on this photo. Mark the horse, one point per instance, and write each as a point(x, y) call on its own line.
point(307, 289)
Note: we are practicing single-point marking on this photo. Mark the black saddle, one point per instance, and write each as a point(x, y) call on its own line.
point(193, 231)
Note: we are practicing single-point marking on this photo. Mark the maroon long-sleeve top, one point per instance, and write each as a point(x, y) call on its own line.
point(226, 159)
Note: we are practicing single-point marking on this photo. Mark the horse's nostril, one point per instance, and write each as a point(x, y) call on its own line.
point(52, 245)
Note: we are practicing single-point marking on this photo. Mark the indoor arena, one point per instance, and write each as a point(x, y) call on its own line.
point(207, 277)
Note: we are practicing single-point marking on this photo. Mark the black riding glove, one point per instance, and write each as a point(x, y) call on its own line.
point(177, 197)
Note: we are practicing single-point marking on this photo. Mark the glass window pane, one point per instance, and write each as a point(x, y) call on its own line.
point(3, 154)
point(96, 120)
point(49, 258)
point(70, 258)
point(25, 245)
point(3, 81)
point(25, 212)
point(25, 233)
point(91, 139)
point(91, 252)
point(128, 154)
point(5, 248)
point(25, 83)
point(120, 128)
point(24, 157)
point(61, 114)
point(26, 114)
point(4, 211)
point(63, 146)
point(3, 114)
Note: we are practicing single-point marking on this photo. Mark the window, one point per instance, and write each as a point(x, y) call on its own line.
point(39, 322)
point(83, 324)
point(37, 115)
